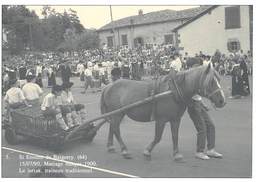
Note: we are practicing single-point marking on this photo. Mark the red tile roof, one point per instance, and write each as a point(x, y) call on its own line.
point(155, 17)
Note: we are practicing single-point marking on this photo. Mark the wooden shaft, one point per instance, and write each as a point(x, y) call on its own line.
point(122, 109)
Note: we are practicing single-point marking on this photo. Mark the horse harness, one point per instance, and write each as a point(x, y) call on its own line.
point(176, 89)
point(204, 93)
point(173, 86)
point(152, 92)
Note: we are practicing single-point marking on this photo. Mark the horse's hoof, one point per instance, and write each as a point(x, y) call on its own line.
point(111, 149)
point(147, 155)
point(178, 157)
point(126, 155)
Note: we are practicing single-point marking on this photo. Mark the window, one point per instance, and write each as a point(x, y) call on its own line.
point(124, 39)
point(168, 39)
point(110, 41)
point(232, 17)
point(233, 45)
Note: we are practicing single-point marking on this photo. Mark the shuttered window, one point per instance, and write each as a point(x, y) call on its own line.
point(232, 17)
point(110, 41)
point(168, 39)
point(124, 39)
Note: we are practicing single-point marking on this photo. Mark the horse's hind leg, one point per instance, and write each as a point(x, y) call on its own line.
point(159, 127)
point(115, 124)
point(110, 143)
point(175, 133)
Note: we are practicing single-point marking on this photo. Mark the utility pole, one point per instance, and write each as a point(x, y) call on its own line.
point(29, 22)
point(113, 27)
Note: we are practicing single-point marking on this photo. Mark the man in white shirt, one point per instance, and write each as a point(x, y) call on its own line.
point(176, 63)
point(14, 97)
point(95, 68)
point(90, 64)
point(88, 79)
point(80, 68)
point(32, 91)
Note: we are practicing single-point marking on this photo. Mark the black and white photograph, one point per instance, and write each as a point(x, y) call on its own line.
point(127, 91)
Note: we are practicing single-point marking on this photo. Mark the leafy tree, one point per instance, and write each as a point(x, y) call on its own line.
point(86, 40)
point(17, 21)
point(55, 31)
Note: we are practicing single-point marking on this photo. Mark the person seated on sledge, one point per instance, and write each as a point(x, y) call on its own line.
point(31, 90)
point(205, 127)
point(72, 112)
point(14, 97)
point(51, 106)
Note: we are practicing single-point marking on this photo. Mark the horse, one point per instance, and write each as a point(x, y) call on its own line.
point(202, 80)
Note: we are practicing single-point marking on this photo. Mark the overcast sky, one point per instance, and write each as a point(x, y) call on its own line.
point(97, 16)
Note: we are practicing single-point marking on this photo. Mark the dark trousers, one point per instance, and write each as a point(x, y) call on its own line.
point(88, 82)
point(204, 126)
point(50, 113)
point(65, 79)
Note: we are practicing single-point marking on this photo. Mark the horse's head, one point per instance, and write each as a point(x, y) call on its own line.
point(210, 87)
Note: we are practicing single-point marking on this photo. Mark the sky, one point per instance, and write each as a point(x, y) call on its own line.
point(98, 16)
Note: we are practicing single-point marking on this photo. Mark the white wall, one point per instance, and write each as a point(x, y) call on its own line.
point(208, 33)
point(151, 34)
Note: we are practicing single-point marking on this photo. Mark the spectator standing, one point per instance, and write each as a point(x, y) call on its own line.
point(116, 72)
point(244, 75)
point(88, 79)
point(65, 72)
point(176, 63)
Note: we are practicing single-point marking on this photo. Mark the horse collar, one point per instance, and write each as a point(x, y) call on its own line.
point(177, 89)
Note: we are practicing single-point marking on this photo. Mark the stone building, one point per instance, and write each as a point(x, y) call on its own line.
point(227, 28)
point(151, 28)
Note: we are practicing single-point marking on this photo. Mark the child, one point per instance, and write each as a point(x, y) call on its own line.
point(74, 113)
point(51, 106)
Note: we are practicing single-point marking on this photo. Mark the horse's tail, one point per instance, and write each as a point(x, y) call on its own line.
point(103, 106)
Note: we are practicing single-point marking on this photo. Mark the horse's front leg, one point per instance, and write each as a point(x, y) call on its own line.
point(175, 134)
point(159, 127)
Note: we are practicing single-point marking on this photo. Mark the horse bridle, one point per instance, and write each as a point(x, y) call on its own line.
point(205, 93)
point(180, 94)
point(214, 92)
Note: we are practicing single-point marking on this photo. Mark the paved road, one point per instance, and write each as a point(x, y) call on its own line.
point(233, 127)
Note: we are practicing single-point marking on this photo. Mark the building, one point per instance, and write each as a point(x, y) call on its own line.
point(151, 28)
point(227, 28)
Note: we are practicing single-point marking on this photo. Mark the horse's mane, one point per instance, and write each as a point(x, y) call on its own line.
point(205, 73)
point(209, 73)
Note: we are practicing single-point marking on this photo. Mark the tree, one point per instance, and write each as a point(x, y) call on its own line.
point(58, 26)
point(26, 30)
point(86, 40)
point(17, 21)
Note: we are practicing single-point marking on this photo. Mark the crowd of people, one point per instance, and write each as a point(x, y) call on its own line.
point(100, 66)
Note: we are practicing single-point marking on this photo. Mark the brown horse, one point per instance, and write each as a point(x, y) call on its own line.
point(203, 80)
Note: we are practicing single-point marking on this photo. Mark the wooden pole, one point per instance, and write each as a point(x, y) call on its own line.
point(122, 109)
point(113, 26)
